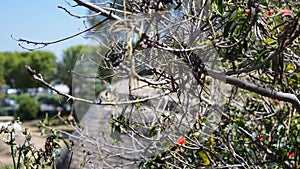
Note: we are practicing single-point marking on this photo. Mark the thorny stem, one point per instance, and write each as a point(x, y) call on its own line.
point(71, 157)
point(12, 150)
point(19, 156)
point(54, 165)
point(20, 153)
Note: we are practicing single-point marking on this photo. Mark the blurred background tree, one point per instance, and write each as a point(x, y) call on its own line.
point(29, 107)
point(14, 62)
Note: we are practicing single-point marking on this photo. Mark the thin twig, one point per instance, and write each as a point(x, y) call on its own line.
point(77, 16)
point(44, 44)
point(97, 9)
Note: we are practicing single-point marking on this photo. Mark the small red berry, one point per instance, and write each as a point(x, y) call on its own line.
point(270, 13)
point(276, 101)
point(249, 11)
point(286, 12)
point(181, 140)
point(181, 151)
point(197, 115)
point(290, 155)
point(260, 138)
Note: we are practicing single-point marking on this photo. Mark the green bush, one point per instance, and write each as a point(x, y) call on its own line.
point(28, 107)
point(3, 112)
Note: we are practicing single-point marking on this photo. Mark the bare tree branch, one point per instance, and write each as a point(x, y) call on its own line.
point(97, 9)
point(44, 44)
point(39, 78)
point(271, 93)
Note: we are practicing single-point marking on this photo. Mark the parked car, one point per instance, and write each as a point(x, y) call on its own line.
point(9, 105)
point(50, 104)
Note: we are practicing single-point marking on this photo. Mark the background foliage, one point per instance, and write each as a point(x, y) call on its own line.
point(14, 63)
point(28, 107)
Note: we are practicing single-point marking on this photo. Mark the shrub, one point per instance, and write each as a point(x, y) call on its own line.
point(28, 107)
point(3, 112)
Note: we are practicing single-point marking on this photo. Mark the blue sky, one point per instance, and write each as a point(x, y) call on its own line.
point(39, 20)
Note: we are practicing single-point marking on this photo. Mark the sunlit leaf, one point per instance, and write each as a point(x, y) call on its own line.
point(204, 157)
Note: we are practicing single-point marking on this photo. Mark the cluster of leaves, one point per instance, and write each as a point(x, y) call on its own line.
point(259, 40)
point(194, 150)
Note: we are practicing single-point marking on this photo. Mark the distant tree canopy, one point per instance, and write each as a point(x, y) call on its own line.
point(2, 80)
point(12, 67)
point(74, 55)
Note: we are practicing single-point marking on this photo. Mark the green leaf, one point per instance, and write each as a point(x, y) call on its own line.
point(204, 157)
point(270, 41)
point(116, 132)
point(298, 139)
point(217, 7)
point(152, 131)
point(227, 28)
point(273, 165)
